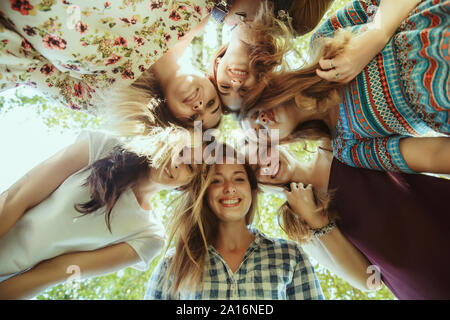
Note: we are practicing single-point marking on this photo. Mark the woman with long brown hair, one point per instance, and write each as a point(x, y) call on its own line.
point(396, 221)
point(87, 207)
point(260, 39)
point(217, 254)
point(400, 95)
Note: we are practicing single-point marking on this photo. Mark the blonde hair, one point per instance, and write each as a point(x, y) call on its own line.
point(136, 109)
point(193, 227)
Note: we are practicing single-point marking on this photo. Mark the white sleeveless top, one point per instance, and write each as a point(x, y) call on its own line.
point(54, 227)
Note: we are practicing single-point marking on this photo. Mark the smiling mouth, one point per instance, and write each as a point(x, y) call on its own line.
point(271, 115)
point(278, 171)
point(193, 96)
point(230, 202)
point(238, 73)
point(167, 171)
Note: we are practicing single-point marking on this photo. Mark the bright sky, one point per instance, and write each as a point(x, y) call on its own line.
point(26, 141)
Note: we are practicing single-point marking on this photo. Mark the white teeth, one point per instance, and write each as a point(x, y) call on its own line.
point(192, 96)
point(240, 73)
point(230, 201)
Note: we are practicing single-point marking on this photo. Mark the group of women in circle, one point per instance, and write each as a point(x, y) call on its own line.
point(376, 83)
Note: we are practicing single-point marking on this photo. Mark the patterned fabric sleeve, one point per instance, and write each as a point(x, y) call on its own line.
point(304, 284)
point(21, 64)
point(371, 153)
point(354, 13)
point(156, 289)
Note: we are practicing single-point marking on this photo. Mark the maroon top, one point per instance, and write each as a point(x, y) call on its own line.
point(401, 222)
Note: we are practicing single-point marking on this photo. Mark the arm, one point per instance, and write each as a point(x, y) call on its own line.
point(427, 154)
point(397, 154)
point(332, 250)
point(51, 272)
point(363, 48)
point(40, 182)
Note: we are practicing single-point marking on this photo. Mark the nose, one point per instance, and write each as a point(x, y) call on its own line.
point(198, 105)
point(236, 83)
point(263, 118)
point(229, 188)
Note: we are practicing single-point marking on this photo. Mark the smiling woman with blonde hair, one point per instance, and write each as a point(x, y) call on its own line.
point(217, 254)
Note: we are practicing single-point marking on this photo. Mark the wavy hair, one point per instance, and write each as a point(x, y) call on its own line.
point(193, 227)
point(302, 86)
point(136, 109)
point(269, 39)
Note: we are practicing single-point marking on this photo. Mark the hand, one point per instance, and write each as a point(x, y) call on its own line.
point(361, 49)
point(302, 202)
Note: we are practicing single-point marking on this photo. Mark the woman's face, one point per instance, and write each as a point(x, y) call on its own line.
point(175, 174)
point(282, 118)
point(230, 195)
point(276, 170)
point(193, 97)
point(234, 78)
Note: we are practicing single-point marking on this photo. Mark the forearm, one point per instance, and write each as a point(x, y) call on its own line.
point(389, 16)
point(59, 269)
point(387, 19)
point(426, 154)
point(11, 210)
point(335, 252)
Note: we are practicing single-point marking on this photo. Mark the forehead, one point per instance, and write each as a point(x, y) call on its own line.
point(230, 169)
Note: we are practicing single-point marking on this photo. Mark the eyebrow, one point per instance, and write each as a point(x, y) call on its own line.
point(234, 173)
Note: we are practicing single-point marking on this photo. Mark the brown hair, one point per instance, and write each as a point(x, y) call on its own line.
point(306, 14)
point(110, 177)
point(126, 164)
point(304, 86)
point(193, 227)
point(269, 39)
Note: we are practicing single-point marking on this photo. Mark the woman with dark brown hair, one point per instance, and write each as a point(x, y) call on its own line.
point(87, 209)
point(397, 221)
point(378, 120)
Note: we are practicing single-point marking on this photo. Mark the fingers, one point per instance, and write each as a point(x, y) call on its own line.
point(326, 64)
point(333, 75)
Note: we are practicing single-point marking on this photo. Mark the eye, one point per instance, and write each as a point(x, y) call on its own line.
point(211, 103)
point(225, 86)
point(243, 90)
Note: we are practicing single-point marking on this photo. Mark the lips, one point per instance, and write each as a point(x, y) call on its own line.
point(192, 96)
point(230, 202)
point(278, 168)
point(238, 73)
point(271, 115)
point(167, 172)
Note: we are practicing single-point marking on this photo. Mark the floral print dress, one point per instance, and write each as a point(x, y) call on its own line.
point(75, 50)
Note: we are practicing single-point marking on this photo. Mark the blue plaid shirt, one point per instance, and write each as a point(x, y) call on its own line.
point(270, 269)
